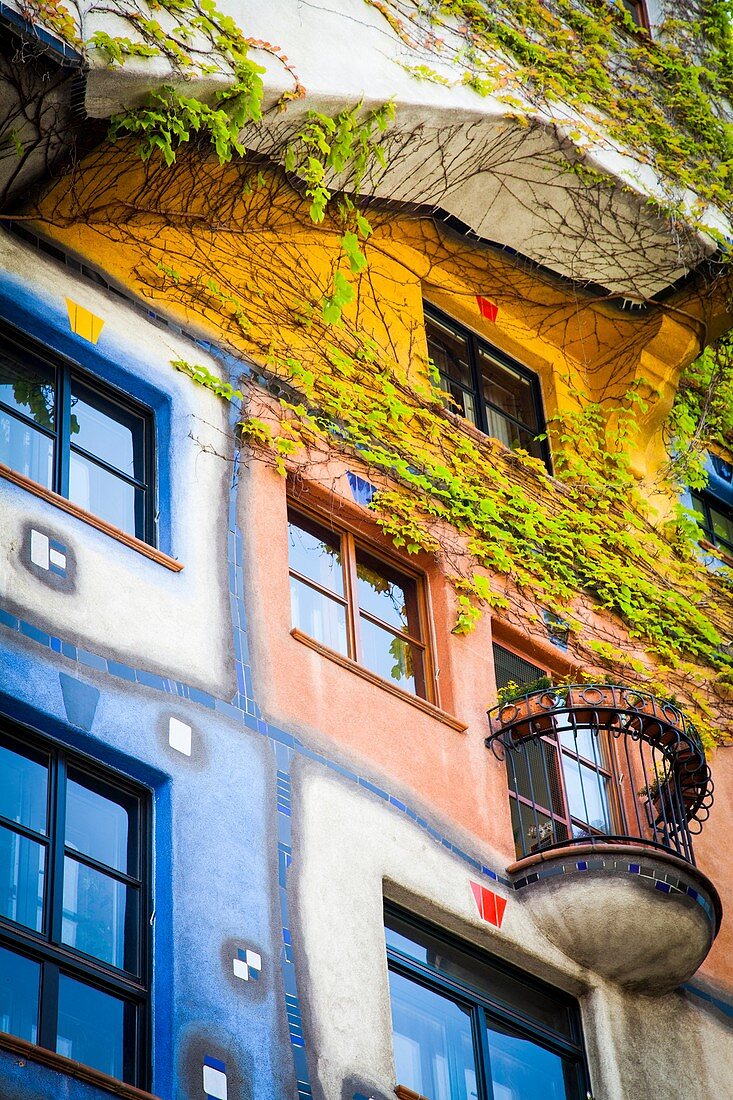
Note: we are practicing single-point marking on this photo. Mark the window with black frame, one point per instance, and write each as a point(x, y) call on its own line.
point(715, 519)
point(65, 431)
point(73, 907)
point(468, 1027)
point(495, 393)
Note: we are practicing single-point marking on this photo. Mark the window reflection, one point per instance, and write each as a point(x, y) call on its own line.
point(19, 986)
point(433, 1043)
point(90, 1026)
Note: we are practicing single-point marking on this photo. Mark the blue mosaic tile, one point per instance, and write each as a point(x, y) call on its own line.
point(634, 868)
point(692, 893)
point(371, 787)
point(68, 650)
point(56, 645)
point(124, 672)
point(582, 865)
point(35, 634)
point(663, 886)
point(91, 660)
point(9, 620)
point(201, 697)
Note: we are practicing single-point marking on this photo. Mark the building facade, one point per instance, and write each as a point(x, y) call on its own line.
point(258, 838)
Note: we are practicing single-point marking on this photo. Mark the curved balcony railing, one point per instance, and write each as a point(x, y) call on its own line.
point(597, 763)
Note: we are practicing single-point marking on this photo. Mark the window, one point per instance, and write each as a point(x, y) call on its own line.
point(357, 604)
point(496, 394)
point(73, 908)
point(637, 11)
point(468, 1027)
point(715, 519)
point(74, 436)
point(561, 784)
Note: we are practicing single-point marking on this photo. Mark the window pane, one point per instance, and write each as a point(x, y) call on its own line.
point(103, 429)
point(433, 1045)
point(386, 594)
point(22, 872)
point(533, 772)
point(104, 494)
point(23, 789)
point(315, 552)
point(534, 830)
point(449, 352)
point(90, 1027)
point(587, 793)
point(96, 908)
point(30, 388)
point(26, 450)
point(19, 984)
point(391, 657)
point(478, 973)
point(507, 390)
point(523, 1070)
point(318, 616)
point(722, 526)
point(97, 826)
point(584, 741)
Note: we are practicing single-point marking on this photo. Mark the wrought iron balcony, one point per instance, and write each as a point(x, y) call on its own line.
point(608, 785)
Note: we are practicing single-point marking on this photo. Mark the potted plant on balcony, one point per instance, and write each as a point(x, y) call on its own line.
point(527, 707)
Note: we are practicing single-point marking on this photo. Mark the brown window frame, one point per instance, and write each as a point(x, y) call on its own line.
point(606, 768)
point(353, 544)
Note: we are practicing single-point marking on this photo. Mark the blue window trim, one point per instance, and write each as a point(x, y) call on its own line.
point(113, 366)
point(484, 1009)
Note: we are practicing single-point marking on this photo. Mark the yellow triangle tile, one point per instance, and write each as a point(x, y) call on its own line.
point(83, 322)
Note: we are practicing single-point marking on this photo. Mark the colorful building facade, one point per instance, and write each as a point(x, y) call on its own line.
point(258, 838)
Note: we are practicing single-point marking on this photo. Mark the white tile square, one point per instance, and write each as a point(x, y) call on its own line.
point(179, 736)
point(39, 549)
point(241, 970)
point(254, 960)
point(57, 558)
point(215, 1083)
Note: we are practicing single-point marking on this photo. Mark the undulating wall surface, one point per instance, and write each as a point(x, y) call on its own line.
point(290, 795)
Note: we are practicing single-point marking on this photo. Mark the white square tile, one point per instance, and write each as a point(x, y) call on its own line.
point(179, 736)
point(39, 549)
point(215, 1083)
point(241, 970)
point(254, 960)
point(57, 558)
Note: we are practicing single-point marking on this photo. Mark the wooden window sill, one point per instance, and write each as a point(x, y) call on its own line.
point(378, 681)
point(94, 521)
point(404, 1093)
point(718, 552)
point(70, 1068)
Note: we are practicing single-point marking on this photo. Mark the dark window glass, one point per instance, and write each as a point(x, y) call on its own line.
point(71, 888)
point(374, 617)
point(716, 520)
point(90, 1026)
point(467, 1027)
point(500, 397)
point(72, 436)
point(20, 981)
point(637, 11)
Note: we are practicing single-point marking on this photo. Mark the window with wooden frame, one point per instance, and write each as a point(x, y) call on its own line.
point(562, 785)
point(637, 11)
point(715, 519)
point(351, 599)
point(74, 907)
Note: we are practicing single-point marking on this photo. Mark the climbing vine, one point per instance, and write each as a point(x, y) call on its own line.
point(507, 533)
